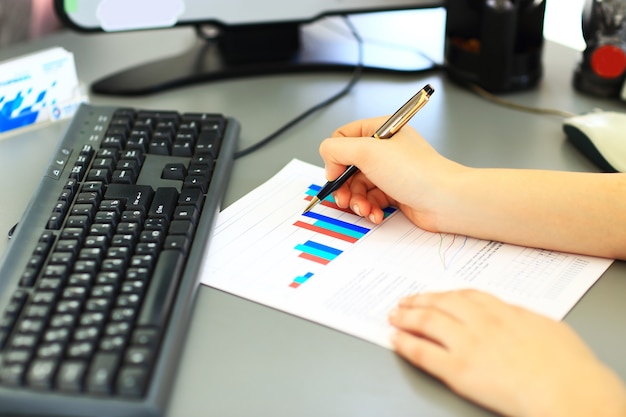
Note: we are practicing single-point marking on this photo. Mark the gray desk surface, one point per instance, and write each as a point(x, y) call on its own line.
point(243, 359)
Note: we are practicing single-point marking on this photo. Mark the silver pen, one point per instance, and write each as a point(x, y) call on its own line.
point(387, 130)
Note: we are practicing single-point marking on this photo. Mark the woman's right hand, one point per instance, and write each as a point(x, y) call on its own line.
point(404, 171)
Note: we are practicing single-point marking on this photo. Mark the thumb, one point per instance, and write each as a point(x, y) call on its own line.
point(340, 152)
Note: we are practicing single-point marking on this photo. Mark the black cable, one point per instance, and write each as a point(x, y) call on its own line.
point(356, 75)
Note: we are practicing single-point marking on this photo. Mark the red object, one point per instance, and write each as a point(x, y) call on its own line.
point(314, 258)
point(608, 61)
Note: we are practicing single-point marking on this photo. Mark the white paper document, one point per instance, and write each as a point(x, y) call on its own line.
point(335, 268)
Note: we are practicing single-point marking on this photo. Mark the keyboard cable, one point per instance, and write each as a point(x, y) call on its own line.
point(356, 76)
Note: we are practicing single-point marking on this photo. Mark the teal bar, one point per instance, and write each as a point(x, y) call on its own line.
point(316, 252)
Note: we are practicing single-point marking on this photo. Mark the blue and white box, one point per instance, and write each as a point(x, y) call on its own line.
point(38, 87)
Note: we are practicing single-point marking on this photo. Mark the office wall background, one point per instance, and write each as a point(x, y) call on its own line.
point(562, 22)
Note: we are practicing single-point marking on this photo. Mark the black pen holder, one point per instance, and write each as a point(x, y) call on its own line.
point(496, 44)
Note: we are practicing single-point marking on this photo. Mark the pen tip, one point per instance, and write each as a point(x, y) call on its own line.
point(429, 89)
point(312, 204)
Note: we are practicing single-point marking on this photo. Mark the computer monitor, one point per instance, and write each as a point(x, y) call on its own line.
point(239, 38)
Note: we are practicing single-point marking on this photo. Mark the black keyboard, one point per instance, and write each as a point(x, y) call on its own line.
point(98, 283)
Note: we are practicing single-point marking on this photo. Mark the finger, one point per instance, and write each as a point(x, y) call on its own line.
point(429, 323)
point(358, 194)
point(489, 306)
point(343, 194)
point(339, 152)
point(459, 304)
point(423, 353)
point(370, 205)
point(470, 306)
point(379, 201)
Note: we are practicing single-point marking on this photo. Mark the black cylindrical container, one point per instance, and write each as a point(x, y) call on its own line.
point(496, 44)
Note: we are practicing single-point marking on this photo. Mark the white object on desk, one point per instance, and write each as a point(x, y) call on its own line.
point(265, 250)
point(601, 136)
point(38, 87)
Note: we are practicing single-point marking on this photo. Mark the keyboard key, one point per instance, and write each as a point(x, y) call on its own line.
point(71, 375)
point(180, 243)
point(208, 143)
point(41, 373)
point(136, 197)
point(12, 374)
point(102, 373)
point(191, 196)
point(174, 172)
point(163, 203)
point(162, 289)
point(132, 381)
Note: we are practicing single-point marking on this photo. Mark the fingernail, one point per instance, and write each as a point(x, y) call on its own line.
point(393, 313)
point(355, 209)
point(372, 218)
point(336, 200)
point(406, 300)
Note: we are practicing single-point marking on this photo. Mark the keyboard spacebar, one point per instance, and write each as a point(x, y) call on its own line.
point(162, 289)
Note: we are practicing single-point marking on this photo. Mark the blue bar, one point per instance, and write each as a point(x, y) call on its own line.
point(319, 250)
point(313, 190)
point(325, 248)
point(336, 222)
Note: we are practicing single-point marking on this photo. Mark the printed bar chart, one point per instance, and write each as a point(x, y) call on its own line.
point(327, 223)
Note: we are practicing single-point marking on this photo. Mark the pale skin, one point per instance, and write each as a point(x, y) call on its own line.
point(567, 211)
point(503, 357)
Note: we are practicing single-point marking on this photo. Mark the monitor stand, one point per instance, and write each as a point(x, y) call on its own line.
point(323, 46)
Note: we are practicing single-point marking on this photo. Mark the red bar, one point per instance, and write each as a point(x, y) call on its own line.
point(314, 258)
point(330, 204)
point(326, 232)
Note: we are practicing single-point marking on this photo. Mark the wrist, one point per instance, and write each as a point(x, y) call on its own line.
point(600, 394)
point(454, 200)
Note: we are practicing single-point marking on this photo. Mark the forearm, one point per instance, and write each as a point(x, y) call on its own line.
point(573, 212)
